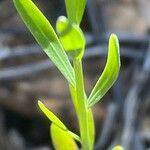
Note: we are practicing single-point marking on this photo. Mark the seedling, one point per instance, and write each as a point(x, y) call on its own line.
point(70, 42)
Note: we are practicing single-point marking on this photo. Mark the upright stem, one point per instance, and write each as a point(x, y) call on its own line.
point(82, 109)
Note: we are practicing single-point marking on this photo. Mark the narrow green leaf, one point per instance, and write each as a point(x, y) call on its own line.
point(62, 140)
point(109, 74)
point(71, 37)
point(75, 10)
point(55, 120)
point(51, 116)
point(45, 36)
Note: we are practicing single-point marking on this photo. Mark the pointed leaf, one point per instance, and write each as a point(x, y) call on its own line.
point(75, 10)
point(55, 120)
point(71, 37)
point(62, 140)
point(109, 74)
point(51, 116)
point(45, 36)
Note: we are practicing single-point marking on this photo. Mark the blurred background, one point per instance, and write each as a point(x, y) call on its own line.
point(26, 75)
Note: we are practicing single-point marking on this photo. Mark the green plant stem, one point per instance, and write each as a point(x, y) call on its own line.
point(82, 111)
point(74, 97)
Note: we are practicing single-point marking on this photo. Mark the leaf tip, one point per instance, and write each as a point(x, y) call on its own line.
point(40, 104)
point(114, 42)
point(113, 35)
point(114, 38)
